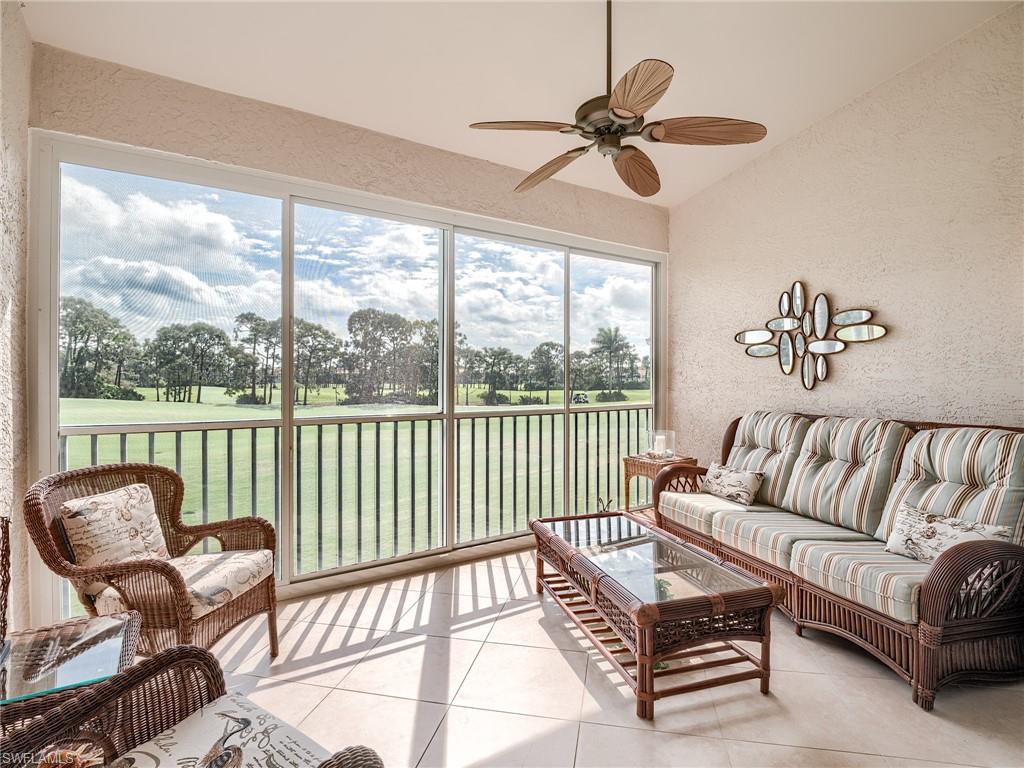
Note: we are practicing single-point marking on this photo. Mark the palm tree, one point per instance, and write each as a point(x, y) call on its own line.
point(610, 343)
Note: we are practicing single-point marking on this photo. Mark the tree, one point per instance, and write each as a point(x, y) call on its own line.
point(91, 343)
point(316, 349)
point(495, 364)
point(546, 366)
point(610, 344)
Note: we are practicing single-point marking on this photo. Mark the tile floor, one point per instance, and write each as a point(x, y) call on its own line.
point(468, 667)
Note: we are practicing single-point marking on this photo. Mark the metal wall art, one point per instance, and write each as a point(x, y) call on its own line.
point(803, 330)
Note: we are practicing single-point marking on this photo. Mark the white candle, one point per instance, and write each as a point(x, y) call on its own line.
point(659, 444)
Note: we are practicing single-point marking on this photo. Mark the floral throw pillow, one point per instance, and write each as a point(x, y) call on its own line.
point(924, 536)
point(114, 527)
point(737, 485)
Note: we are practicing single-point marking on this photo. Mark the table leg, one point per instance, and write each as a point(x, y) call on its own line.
point(766, 652)
point(628, 478)
point(644, 674)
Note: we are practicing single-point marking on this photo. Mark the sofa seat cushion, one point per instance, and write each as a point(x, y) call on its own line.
point(770, 536)
point(212, 579)
point(971, 473)
point(768, 442)
point(845, 470)
point(233, 726)
point(696, 510)
point(864, 572)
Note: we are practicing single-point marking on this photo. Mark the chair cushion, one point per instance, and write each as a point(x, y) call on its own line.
point(233, 726)
point(697, 510)
point(845, 470)
point(864, 572)
point(114, 527)
point(769, 442)
point(972, 473)
point(770, 536)
point(212, 579)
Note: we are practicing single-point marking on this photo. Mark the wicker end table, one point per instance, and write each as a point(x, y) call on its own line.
point(641, 465)
point(653, 605)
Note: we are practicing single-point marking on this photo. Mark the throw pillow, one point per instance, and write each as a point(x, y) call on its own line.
point(114, 527)
point(737, 485)
point(923, 536)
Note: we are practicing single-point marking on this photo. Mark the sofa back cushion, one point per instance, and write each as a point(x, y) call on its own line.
point(768, 442)
point(972, 473)
point(845, 470)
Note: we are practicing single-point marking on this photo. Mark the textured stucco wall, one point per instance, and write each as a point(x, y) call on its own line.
point(81, 95)
point(15, 68)
point(908, 201)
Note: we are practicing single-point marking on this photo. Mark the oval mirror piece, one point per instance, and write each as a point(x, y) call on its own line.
point(821, 368)
point(782, 324)
point(860, 332)
point(786, 359)
point(799, 343)
point(807, 372)
point(756, 336)
point(825, 347)
point(784, 303)
point(798, 298)
point(851, 316)
point(821, 315)
point(806, 325)
point(762, 350)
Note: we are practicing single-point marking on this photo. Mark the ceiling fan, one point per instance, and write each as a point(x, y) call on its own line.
point(619, 114)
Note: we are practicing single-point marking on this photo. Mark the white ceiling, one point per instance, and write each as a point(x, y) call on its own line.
point(424, 70)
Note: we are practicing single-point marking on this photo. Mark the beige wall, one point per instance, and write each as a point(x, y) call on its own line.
point(15, 68)
point(80, 95)
point(907, 201)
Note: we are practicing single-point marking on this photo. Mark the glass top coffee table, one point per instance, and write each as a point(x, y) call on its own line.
point(655, 606)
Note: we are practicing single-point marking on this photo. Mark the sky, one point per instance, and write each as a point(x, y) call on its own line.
point(153, 252)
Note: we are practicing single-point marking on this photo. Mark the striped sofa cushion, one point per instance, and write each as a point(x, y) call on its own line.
point(973, 473)
point(864, 572)
point(768, 442)
point(845, 470)
point(770, 536)
point(697, 510)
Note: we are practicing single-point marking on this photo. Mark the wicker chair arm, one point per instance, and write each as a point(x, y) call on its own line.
point(354, 757)
point(167, 687)
point(681, 478)
point(150, 586)
point(976, 586)
point(241, 533)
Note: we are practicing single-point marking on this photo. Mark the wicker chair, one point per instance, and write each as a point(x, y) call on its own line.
point(135, 706)
point(152, 587)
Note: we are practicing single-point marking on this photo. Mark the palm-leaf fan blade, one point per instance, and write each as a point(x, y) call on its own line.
point(637, 171)
point(550, 168)
point(522, 125)
point(705, 131)
point(640, 88)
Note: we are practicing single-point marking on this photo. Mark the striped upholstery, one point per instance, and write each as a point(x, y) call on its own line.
point(845, 470)
point(768, 442)
point(864, 572)
point(696, 510)
point(770, 536)
point(972, 473)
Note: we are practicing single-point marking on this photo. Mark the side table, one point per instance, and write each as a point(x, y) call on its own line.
point(642, 465)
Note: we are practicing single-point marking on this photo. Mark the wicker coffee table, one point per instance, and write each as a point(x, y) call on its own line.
point(653, 605)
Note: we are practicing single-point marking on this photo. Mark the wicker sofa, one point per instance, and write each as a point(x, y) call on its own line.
point(819, 524)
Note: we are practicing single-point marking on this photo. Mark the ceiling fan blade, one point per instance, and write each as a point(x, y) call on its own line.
point(639, 89)
point(637, 171)
point(523, 125)
point(550, 168)
point(704, 131)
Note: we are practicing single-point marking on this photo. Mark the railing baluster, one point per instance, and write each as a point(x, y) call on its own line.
point(376, 488)
point(515, 471)
point(319, 496)
point(253, 475)
point(487, 476)
point(277, 477)
point(298, 499)
point(597, 457)
point(339, 534)
point(412, 486)
point(458, 481)
point(501, 474)
point(552, 431)
point(151, 448)
point(608, 455)
point(526, 494)
point(359, 492)
point(62, 453)
point(540, 466)
point(576, 462)
point(94, 450)
point(586, 465)
point(231, 473)
point(394, 488)
point(430, 483)
point(618, 457)
point(472, 478)
point(177, 452)
point(205, 459)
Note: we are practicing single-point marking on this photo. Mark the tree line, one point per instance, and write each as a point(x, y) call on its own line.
point(385, 358)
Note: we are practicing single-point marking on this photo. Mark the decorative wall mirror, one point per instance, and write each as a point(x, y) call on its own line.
point(786, 358)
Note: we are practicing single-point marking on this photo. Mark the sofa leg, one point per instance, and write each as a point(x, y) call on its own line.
point(799, 629)
point(925, 699)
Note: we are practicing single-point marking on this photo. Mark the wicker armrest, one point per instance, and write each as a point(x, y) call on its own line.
point(974, 587)
point(148, 586)
point(353, 757)
point(681, 478)
point(241, 533)
point(167, 688)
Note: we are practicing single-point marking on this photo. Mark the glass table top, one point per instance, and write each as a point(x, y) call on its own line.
point(37, 663)
point(651, 567)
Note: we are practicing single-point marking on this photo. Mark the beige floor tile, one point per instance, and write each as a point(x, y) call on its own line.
point(318, 654)
point(370, 607)
point(538, 623)
point(875, 715)
point(398, 729)
point(241, 643)
point(904, 762)
point(602, 746)
point(289, 701)
point(414, 667)
point(523, 680)
point(468, 617)
point(479, 738)
point(609, 700)
point(480, 579)
point(747, 754)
